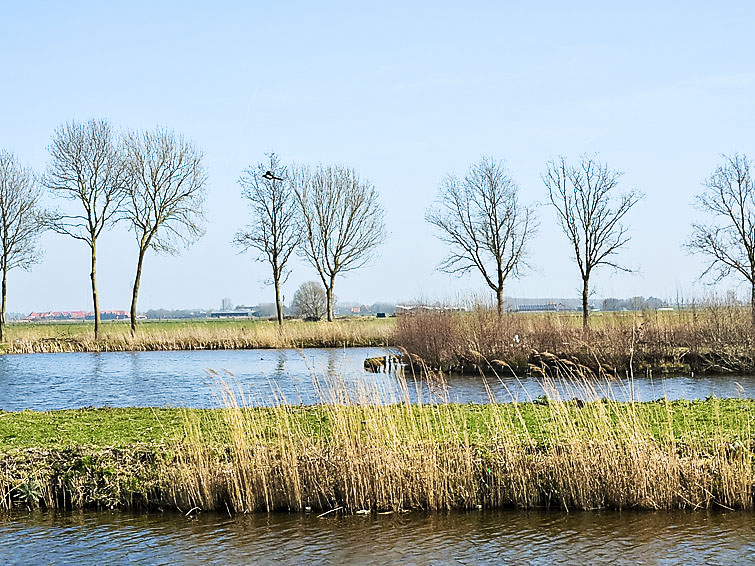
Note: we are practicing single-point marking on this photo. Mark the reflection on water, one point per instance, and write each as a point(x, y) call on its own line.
point(118, 379)
point(479, 537)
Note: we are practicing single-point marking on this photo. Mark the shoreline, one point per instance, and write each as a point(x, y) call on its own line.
point(560, 454)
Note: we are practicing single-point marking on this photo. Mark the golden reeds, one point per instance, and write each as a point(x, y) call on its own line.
point(197, 335)
point(360, 453)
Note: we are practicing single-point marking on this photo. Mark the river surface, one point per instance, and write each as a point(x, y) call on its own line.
point(191, 379)
point(480, 537)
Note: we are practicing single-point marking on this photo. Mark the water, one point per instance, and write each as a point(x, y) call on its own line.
point(176, 379)
point(480, 537)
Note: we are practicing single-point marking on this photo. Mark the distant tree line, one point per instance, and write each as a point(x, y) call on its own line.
point(155, 181)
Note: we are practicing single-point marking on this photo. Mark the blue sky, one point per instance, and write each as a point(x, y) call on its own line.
point(405, 94)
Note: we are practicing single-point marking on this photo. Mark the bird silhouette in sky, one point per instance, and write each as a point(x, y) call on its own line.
point(270, 176)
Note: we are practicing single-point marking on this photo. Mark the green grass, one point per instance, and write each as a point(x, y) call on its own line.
point(115, 427)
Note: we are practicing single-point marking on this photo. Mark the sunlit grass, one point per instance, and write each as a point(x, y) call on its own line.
point(197, 334)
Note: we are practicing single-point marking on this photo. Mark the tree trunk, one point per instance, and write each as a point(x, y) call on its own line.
point(752, 305)
point(135, 293)
point(499, 299)
point(585, 307)
point(278, 303)
point(2, 306)
point(95, 299)
point(329, 300)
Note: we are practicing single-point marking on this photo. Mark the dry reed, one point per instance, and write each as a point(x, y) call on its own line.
point(712, 339)
point(367, 452)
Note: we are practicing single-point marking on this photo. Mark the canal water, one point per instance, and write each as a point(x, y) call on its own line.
point(479, 537)
point(192, 378)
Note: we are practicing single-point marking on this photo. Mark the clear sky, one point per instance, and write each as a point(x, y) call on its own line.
point(403, 92)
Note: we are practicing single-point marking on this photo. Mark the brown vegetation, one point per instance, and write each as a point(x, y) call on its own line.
point(713, 339)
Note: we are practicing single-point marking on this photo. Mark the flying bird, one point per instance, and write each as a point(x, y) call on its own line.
point(270, 176)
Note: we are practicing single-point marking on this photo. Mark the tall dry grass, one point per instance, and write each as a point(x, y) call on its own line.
point(715, 338)
point(197, 335)
point(375, 452)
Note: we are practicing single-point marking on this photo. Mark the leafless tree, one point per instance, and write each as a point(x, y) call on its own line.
point(590, 215)
point(165, 195)
point(21, 222)
point(310, 301)
point(87, 168)
point(480, 218)
point(342, 221)
point(274, 232)
point(728, 241)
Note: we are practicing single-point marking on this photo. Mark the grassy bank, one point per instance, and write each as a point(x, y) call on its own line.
point(563, 454)
point(716, 339)
point(23, 338)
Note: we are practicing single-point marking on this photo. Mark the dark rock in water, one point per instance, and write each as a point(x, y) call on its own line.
point(375, 365)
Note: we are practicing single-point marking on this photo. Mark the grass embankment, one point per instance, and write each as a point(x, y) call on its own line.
point(716, 339)
point(23, 338)
point(563, 454)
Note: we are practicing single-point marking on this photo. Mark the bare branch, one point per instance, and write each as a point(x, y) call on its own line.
point(165, 195)
point(274, 232)
point(590, 215)
point(341, 221)
point(483, 224)
point(728, 240)
point(21, 221)
point(86, 167)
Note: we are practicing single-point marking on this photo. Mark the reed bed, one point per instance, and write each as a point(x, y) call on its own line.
point(711, 339)
point(368, 450)
point(196, 335)
point(363, 452)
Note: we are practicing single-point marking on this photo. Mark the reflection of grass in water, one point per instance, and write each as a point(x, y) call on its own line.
point(197, 334)
point(366, 448)
point(356, 452)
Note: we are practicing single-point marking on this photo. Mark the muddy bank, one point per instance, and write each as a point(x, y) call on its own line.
point(566, 364)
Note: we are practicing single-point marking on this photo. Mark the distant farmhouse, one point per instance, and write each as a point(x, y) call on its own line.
point(76, 316)
point(233, 313)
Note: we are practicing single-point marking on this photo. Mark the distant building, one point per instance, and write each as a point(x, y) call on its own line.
point(235, 313)
point(546, 307)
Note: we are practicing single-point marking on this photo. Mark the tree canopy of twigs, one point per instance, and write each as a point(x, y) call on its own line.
point(342, 221)
point(310, 301)
point(485, 227)
point(274, 232)
point(87, 168)
point(165, 194)
point(590, 212)
point(21, 222)
point(728, 240)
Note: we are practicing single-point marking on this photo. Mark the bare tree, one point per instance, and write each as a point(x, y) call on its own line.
point(21, 222)
point(310, 301)
point(729, 240)
point(86, 167)
point(165, 195)
point(342, 221)
point(590, 215)
point(274, 232)
point(481, 220)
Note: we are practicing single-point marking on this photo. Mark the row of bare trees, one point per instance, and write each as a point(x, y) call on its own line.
point(326, 213)
point(488, 231)
point(154, 181)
